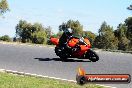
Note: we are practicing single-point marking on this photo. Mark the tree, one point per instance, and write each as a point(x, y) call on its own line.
point(4, 7)
point(128, 23)
point(28, 32)
point(5, 38)
point(91, 36)
point(120, 33)
point(106, 38)
point(39, 37)
point(130, 7)
point(103, 28)
point(24, 30)
point(75, 26)
point(48, 31)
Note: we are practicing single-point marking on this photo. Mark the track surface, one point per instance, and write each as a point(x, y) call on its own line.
point(43, 61)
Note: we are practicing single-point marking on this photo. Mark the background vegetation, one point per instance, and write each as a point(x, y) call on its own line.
point(107, 37)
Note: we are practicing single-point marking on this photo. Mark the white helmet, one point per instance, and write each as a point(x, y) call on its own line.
point(69, 30)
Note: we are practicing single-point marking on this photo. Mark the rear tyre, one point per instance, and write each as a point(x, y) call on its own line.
point(57, 51)
point(92, 56)
point(63, 58)
point(61, 53)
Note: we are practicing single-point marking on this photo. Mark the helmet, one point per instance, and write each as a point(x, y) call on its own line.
point(70, 30)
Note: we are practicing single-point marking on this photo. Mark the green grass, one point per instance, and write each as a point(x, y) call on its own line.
point(16, 81)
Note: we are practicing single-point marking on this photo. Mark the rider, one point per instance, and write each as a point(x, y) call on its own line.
point(67, 34)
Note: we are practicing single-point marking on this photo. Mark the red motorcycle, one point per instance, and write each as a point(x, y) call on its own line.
point(72, 47)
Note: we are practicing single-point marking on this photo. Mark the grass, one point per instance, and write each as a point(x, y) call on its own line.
point(19, 81)
point(18, 43)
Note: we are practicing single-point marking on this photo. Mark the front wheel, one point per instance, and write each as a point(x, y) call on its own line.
point(92, 56)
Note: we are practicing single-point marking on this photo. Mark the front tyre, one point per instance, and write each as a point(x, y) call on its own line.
point(92, 56)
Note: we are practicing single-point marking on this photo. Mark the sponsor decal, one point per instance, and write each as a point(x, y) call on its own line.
point(83, 78)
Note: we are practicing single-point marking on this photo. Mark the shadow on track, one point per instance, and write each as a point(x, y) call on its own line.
point(58, 59)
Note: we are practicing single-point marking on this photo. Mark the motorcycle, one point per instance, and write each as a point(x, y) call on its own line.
point(74, 47)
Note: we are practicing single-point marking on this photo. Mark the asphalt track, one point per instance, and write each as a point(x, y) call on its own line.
point(43, 61)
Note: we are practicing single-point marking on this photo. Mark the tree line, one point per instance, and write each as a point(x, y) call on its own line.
point(32, 33)
point(107, 37)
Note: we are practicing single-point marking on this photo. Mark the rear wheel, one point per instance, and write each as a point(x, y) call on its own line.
point(57, 51)
point(92, 56)
point(61, 53)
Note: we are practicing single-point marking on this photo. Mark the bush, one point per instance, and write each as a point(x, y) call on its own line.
point(5, 38)
point(39, 38)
